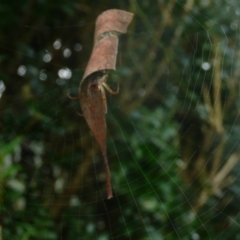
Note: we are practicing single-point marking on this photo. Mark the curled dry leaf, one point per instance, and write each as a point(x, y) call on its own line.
point(109, 25)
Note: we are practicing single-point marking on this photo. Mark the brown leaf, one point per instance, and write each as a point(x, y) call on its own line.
point(109, 25)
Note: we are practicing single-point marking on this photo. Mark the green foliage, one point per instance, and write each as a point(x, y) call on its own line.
point(39, 227)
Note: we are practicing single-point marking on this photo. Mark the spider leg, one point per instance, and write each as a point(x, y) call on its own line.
point(109, 89)
point(104, 99)
point(80, 114)
point(72, 98)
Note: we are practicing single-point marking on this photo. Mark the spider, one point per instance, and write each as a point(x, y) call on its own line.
point(98, 84)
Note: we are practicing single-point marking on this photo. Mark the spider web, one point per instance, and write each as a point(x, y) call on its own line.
point(172, 145)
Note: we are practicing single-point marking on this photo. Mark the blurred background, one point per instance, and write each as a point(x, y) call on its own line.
point(173, 130)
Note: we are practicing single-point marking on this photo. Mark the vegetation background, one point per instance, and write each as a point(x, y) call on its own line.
point(173, 130)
